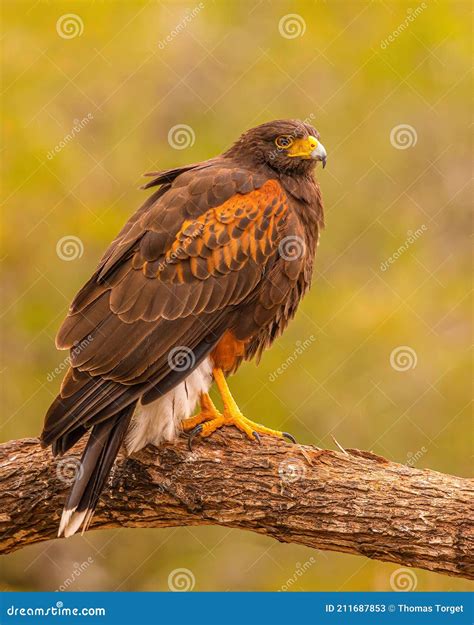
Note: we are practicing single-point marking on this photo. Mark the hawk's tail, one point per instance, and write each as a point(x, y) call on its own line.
point(95, 466)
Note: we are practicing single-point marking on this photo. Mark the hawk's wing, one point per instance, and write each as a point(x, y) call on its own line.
point(170, 279)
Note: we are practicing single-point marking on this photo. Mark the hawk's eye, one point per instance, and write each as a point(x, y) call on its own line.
point(283, 141)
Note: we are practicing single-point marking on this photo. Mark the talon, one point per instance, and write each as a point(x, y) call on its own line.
point(290, 437)
point(192, 434)
point(210, 419)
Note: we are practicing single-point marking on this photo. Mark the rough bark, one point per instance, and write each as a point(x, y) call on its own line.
point(352, 502)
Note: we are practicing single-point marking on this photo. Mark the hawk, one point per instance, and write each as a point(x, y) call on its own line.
point(206, 274)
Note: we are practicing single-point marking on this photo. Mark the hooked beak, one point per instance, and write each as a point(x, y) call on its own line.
point(309, 148)
point(319, 153)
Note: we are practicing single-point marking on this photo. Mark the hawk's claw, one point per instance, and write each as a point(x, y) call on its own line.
point(210, 419)
point(192, 434)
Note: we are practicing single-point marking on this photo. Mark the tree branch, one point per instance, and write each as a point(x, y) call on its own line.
point(354, 502)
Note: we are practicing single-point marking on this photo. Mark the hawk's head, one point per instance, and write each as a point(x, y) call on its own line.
point(289, 146)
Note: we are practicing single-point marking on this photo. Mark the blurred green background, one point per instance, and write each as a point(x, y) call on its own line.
point(378, 354)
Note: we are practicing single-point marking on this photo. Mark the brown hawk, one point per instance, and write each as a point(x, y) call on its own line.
point(206, 274)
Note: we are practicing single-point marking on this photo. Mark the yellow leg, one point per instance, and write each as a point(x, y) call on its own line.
point(208, 413)
point(232, 416)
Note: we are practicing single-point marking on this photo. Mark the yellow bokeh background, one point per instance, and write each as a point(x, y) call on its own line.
point(377, 356)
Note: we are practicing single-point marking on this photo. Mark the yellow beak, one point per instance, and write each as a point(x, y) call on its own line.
point(308, 147)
